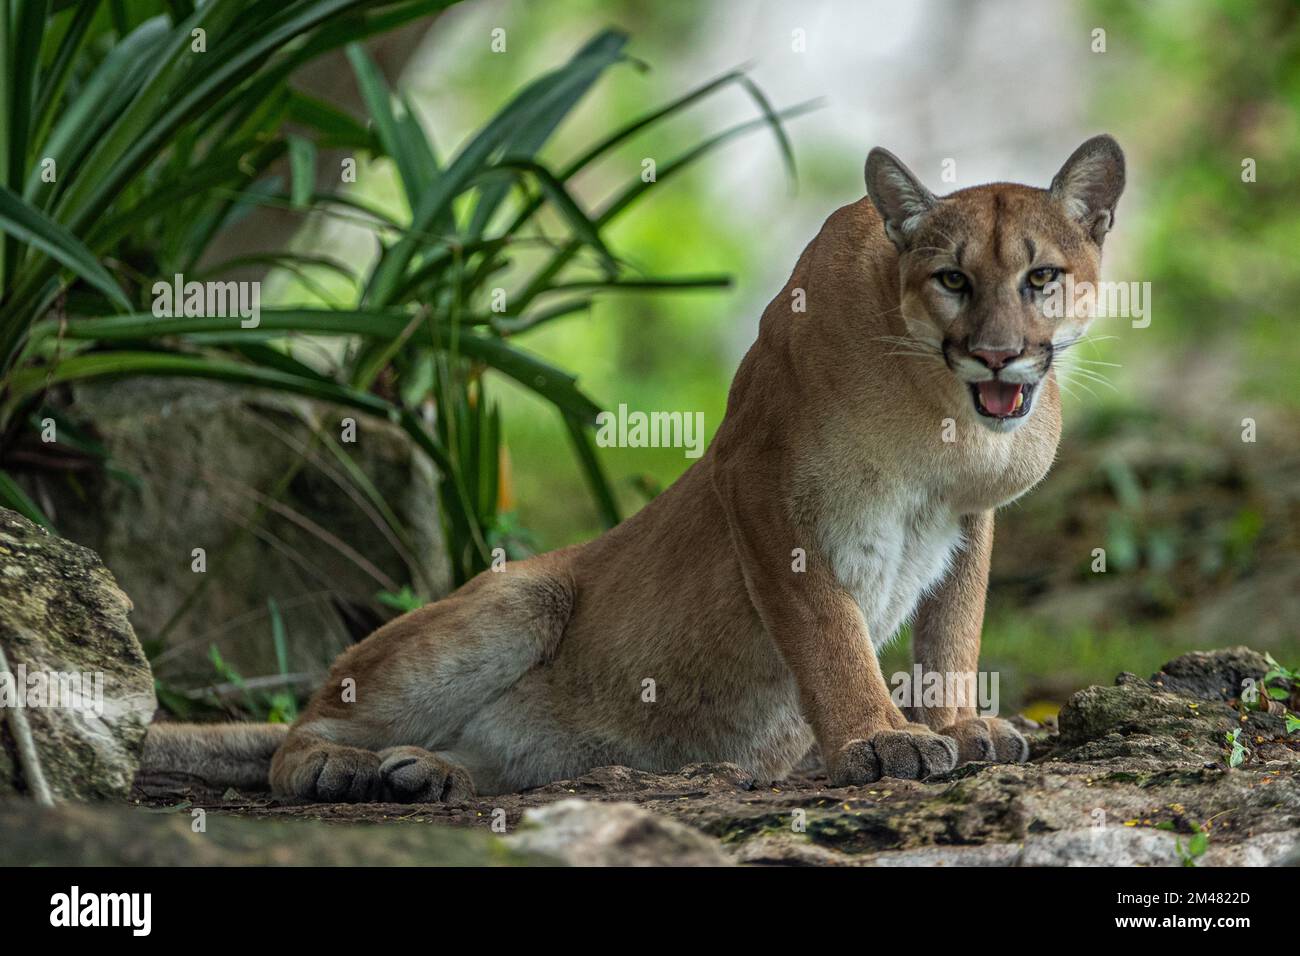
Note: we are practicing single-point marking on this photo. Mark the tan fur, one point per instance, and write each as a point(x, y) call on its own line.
point(833, 443)
point(235, 755)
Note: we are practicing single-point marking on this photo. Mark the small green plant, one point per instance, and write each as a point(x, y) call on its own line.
point(269, 699)
point(282, 703)
point(1195, 848)
point(231, 676)
point(1279, 685)
point(1238, 753)
point(1279, 682)
point(276, 706)
point(404, 600)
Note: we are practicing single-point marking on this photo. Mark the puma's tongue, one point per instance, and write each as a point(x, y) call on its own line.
point(999, 398)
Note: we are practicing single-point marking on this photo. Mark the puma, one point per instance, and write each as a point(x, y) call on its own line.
point(902, 388)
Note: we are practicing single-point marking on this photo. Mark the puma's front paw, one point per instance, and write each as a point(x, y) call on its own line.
point(414, 775)
point(987, 739)
point(331, 774)
point(912, 752)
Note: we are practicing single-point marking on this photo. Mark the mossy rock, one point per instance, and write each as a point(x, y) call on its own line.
point(75, 663)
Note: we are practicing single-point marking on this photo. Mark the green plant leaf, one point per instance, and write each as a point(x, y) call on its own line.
point(555, 92)
point(554, 190)
point(33, 227)
point(13, 496)
point(563, 91)
point(592, 470)
point(546, 380)
point(302, 165)
point(404, 600)
point(56, 76)
point(19, 90)
point(335, 129)
point(547, 274)
point(400, 139)
point(93, 365)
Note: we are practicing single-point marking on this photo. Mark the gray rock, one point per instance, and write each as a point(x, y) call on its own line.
point(990, 854)
point(586, 833)
point(1212, 675)
point(1178, 718)
point(1103, 846)
point(1265, 849)
point(790, 849)
point(104, 835)
point(786, 849)
point(64, 628)
point(1132, 846)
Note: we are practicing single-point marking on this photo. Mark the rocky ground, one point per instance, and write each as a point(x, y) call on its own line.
point(1131, 777)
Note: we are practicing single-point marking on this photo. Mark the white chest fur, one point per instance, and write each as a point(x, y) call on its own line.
point(887, 553)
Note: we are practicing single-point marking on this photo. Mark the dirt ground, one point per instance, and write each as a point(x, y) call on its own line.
point(1133, 774)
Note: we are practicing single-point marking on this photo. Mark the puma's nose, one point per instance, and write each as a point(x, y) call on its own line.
point(993, 359)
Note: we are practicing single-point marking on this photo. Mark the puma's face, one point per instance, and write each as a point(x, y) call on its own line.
point(975, 283)
point(977, 269)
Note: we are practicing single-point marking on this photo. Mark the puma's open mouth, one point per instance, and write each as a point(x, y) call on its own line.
point(996, 399)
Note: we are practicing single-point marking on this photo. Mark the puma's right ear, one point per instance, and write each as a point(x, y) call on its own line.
point(897, 195)
point(1089, 185)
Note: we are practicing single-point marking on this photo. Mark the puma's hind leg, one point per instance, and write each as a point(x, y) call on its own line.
point(393, 705)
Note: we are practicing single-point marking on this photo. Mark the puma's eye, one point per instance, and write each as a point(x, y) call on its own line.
point(952, 280)
point(1040, 277)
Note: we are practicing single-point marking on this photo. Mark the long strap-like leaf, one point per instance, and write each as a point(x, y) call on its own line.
point(546, 380)
point(38, 230)
point(540, 97)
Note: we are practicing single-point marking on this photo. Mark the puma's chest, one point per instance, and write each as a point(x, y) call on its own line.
point(887, 554)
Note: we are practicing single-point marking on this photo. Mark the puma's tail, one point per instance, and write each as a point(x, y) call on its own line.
point(222, 755)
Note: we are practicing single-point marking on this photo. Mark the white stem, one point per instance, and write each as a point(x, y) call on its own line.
point(28, 762)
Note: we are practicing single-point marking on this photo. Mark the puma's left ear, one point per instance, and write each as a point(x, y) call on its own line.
point(897, 195)
point(1089, 185)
